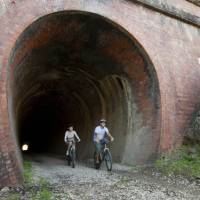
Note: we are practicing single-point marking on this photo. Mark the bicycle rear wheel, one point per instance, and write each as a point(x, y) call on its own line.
point(108, 159)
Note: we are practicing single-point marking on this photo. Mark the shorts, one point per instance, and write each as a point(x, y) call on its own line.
point(97, 147)
point(70, 140)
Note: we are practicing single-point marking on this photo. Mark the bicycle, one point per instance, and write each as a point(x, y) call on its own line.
point(71, 157)
point(104, 155)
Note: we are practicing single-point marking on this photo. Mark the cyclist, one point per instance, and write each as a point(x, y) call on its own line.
point(70, 136)
point(100, 133)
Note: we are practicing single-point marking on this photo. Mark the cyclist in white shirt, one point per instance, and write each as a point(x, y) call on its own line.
point(100, 133)
point(70, 136)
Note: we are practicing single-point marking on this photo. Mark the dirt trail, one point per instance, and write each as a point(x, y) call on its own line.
point(86, 183)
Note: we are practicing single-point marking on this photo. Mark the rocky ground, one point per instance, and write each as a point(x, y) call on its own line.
point(86, 183)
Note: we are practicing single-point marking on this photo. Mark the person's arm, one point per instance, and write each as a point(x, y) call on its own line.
point(109, 135)
point(77, 137)
point(65, 139)
point(95, 135)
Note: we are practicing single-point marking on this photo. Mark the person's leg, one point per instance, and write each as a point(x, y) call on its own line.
point(73, 145)
point(98, 150)
point(69, 145)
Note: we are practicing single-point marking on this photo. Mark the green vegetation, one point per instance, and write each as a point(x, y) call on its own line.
point(184, 161)
point(28, 175)
point(44, 193)
point(37, 189)
point(123, 182)
point(13, 197)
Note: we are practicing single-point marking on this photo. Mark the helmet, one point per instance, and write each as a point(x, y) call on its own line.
point(102, 120)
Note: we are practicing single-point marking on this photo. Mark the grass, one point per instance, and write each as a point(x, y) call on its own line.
point(45, 192)
point(41, 192)
point(28, 175)
point(13, 197)
point(123, 182)
point(183, 161)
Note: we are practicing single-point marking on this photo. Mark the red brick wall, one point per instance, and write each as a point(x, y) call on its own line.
point(170, 44)
point(10, 167)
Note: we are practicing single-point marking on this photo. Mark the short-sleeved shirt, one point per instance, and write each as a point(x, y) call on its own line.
point(100, 132)
point(70, 136)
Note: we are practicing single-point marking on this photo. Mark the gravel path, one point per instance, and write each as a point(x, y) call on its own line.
point(86, 183)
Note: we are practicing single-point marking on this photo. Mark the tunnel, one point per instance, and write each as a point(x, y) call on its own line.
point(74, 67)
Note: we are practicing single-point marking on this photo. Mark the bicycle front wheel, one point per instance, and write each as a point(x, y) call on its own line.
point(108, 159)
point(68, 160)
point(73, 158)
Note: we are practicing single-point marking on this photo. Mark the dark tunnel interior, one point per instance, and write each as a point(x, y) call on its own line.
point(75, 68)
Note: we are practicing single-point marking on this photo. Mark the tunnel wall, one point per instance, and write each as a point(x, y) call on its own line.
point(47, 54)
point(170, 44)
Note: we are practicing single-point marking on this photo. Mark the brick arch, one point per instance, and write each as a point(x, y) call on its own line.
point(16, 25)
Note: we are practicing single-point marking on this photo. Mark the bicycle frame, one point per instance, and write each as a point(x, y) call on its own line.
point(102, 153)
point(72, 154)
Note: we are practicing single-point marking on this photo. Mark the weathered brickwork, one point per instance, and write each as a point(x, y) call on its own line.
point(170, 44)
point(196, 2)
point(192, 134)
point(173, 9)
point(10, 169)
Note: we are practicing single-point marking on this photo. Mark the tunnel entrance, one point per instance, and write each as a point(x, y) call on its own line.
point(77, 67)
